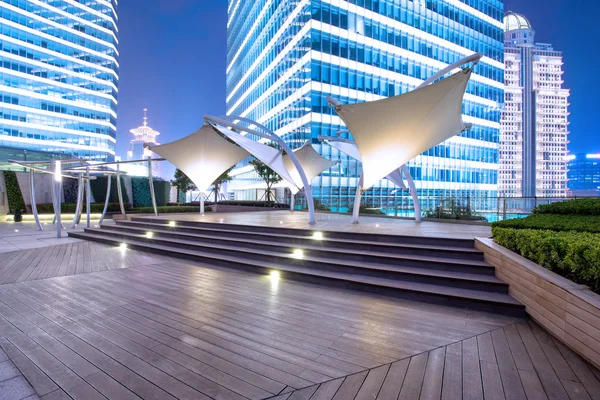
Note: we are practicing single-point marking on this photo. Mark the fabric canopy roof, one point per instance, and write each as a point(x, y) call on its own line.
point(312, 163)
point(202, 156)
point(350, 149)
point(267, 154)
point(392, 131)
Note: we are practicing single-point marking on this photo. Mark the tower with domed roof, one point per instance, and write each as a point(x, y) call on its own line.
point(143, 135)
point(534, 123)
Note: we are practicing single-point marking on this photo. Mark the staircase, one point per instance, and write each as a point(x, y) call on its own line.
point(445, 271)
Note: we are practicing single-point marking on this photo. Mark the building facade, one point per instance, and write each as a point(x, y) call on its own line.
point(59, 77)
point(285, 57)
point(584, 174)
point(535, 126)
point(142, 135)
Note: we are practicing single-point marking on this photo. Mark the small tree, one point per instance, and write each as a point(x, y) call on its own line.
point(267, 174)
point(224, 177)
point(182, 183)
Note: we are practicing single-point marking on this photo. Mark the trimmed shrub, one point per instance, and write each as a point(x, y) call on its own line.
point(571, 207)
point(70, 189)
point(96, 208)
point(554, 222)
point(170, 209)
point(98, 188)
point(574, 255)
point(248, 203)
point(141, 192)
point(13, 192)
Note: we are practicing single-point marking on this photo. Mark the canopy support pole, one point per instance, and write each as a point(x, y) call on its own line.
point(56, 184)
point(413, 192)
point(202, 203)
point(79, 201)
point(357, 198)
point(120, 190)
point(108, 184)
point(88, 200)
point(33, 201)
point(228, 121)
point(292, 200)
point(151, 183)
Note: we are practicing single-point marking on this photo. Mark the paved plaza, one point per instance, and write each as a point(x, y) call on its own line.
point(86, 320)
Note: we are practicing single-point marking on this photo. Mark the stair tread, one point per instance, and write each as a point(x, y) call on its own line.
point(474, 263)
point(481, 296)
point(473, 277)
point(375, 243)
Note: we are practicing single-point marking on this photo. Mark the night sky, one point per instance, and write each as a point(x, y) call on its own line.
point(172, 61)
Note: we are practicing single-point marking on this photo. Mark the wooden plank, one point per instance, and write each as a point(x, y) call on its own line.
point(517, 348)
point(452, 381)
point(560, 366)
point(327, 390)
point(472, 385)
point(394, 380)
point(411, 387)
point(532, 385)
point(350, 387)
point(513, 389)
point(303, 394)
point(486, 348)
point(432, 381)
point(492, 384)
point(588, 379)
point(370, 387)
point(575, 390)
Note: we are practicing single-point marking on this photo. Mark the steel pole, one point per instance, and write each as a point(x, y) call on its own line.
point(151, 183)
point(33, 202)
point(106, 201)
point(88, 202)
point(119, 190)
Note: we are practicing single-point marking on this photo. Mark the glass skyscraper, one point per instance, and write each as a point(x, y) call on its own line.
point(285, 57)
point(59, 77)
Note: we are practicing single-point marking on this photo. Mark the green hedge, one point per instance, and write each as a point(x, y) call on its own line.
point(141, 192)
point(13, 192)
point(170, 209)
point(554, 222)
point(571, 207)
point(98, 188)
point(96, 208)
point(574, 255)
point(70, 188)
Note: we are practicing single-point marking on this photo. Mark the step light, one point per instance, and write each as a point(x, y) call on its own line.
point(149, 235)
point(298, 254)
point(171, 224)
point(274, 275)
point(16, 230)
point(317, 236)
point(123, 246)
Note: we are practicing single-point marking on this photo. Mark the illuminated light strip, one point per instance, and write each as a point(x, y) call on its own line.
point(53, 143)
point(232, 14)
point(477, 13)
point(297, 95)
point(289, 48)
point(420, 184)
point(344, 5)
point(64, 71)
point(56, 129)
point(26, 93)
point(58, 40)
point(437, 65)
point(64, 117)
point(254, 26)
point(57, 55)
point(270, 45)
point(76, 18)
point(276, 86)
point(65, 28)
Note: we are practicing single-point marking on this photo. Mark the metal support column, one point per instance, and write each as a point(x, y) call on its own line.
point(33, 202)
point(151, 183)
point(119, 190)
point(88, 201)
point(413, 192)
point(106, 201)
point(79, 201)
point(357, 197)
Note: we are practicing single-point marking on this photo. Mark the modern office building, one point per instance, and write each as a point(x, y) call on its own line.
point(584, 174)
point(58, 78)
point(285, 57)
point(142, 135)
point(535, 126)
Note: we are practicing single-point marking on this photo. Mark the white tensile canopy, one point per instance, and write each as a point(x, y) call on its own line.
point(312, 162)
point(267, 154)
point(202, 156)
point(392, 131)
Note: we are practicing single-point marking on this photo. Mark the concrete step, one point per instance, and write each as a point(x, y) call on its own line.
point(401, 244)
point(316, 248)
point(398, 283)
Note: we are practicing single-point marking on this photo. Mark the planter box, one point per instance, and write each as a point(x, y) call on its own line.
point(569, 311)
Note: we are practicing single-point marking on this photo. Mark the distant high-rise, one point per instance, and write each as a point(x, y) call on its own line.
point(285, 57)
point(535, 126)
point(58, 78)
point(584, 174)
point(142, 135)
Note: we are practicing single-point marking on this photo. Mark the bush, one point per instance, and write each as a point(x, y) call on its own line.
point(571, 207)
point(248, 203)
point(170, 209)
point(70, 189)
point(141, 192)
point(98, 188)
point(96, 208)
point(574, 255)
point(554, 222)
point(13, 192)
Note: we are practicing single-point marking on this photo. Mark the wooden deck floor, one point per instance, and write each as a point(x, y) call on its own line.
point(145, 326)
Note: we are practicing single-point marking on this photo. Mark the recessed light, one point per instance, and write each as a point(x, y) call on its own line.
point(149, 235)
point(318, 236)
point(123, 246)
point(171, 223)
point(299, 254)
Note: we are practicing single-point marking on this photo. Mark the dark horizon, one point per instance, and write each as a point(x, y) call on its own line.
point(172, 61)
